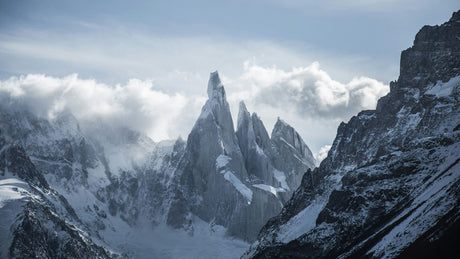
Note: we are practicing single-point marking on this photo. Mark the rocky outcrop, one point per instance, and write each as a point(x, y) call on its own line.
point(290, 151)
point(391, 180)
point(434, 56)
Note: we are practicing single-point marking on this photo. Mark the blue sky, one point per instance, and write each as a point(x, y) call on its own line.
point(173, 45)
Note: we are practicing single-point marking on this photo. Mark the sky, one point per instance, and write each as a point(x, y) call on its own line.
point(145, 64)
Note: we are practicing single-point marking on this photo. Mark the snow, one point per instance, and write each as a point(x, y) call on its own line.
point(289, 145)
point(13, 193)
point(205, 241)
point(444, 89)
point(12, 189)
point(366, 117)
point(303, 222)
point(239, 186)
point(269, 188)
point(413, 120)
point(418, 221)
point(222, 161)
point(281, 178)
point(432, 201)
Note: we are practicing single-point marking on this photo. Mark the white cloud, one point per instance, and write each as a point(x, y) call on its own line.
point(322, 153)
point(306, 97)
point(135, 105)
point(308, 91)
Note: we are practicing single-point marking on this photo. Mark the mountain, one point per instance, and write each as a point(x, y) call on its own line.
point(390, 185)
point(37, 221)
point(88, 189)
point(236, 180)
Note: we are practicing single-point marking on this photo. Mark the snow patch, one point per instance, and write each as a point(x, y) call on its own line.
point(222, 161)
point(269, 188)
point(239, 186)
point(444, 89)
point(303, 222)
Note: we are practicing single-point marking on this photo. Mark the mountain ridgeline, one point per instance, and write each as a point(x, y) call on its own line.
point(85, 190)
point(390, 185)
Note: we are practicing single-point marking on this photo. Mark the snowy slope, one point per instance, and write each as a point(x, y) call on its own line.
point(390, 185)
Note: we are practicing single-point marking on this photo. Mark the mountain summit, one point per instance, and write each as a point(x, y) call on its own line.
point(232, 179)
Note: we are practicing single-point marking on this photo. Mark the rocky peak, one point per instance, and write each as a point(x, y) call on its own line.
point(215, 87)
point(283, 132)
point(434, 56)
point(261, 134)
point(243, 115)
point(245, 132)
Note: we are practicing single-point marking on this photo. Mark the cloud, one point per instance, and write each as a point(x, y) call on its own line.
point(135, 105)
point(308, 91)
point(306, 97)
point(322, 153)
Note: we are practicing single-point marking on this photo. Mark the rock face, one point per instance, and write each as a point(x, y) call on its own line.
point(390, 186)
point(236, 179)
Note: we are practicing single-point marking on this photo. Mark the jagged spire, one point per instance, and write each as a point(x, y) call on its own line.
point(243, 115)
point(214, 83)
point(243, 107)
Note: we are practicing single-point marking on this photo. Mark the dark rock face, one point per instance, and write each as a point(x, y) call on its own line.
point(390, 185)
point(16, 160)
point(434, 56)
point(42, 234)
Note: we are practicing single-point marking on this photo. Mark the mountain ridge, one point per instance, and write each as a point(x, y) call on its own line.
point(391, 176)
point(115, 185)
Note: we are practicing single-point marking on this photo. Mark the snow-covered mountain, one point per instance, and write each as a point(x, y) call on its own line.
point(236, 180)
point(88, 189)
point(390, 185)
